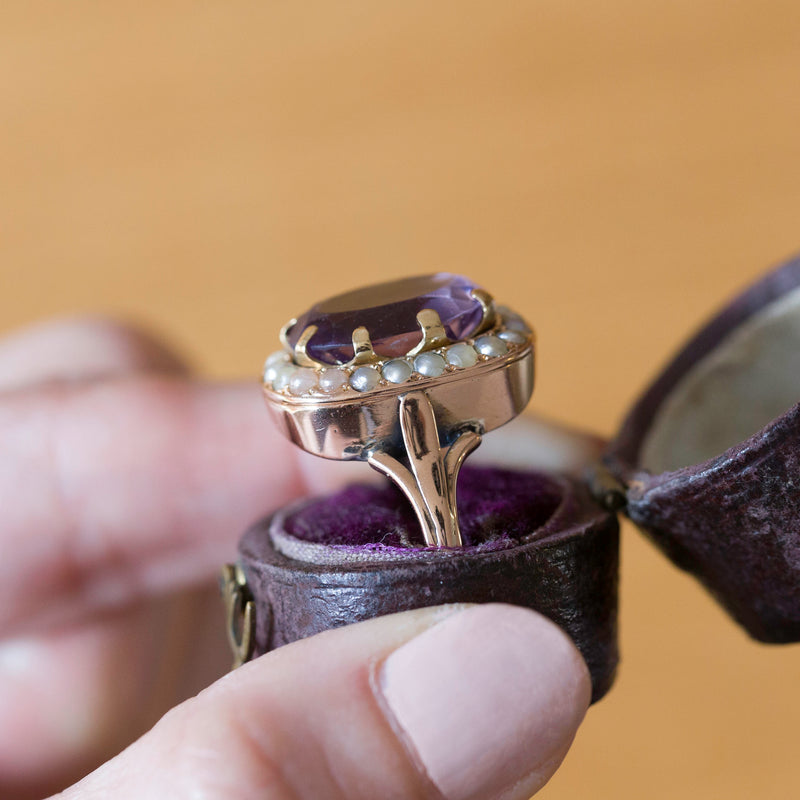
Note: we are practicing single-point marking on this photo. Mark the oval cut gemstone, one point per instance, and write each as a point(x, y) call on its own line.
point(389, 312)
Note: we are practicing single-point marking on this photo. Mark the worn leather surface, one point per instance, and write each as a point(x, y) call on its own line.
point(732, 521)
point(567, 570)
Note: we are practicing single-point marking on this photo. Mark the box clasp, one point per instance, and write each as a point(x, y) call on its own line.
point(239, 613)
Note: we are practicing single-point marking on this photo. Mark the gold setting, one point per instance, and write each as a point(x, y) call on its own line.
point(284, 334)
point(362, 347)
point(434, 339)
point(433, 333)
point(489, 311)
point(301, 357)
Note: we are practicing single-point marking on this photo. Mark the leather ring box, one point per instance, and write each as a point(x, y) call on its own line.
point(707, 464)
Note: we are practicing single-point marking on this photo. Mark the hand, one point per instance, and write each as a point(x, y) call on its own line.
point(124, 485)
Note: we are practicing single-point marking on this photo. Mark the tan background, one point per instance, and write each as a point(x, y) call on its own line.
point(615, 169)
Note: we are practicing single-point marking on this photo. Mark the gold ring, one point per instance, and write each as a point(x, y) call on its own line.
point(406, 375)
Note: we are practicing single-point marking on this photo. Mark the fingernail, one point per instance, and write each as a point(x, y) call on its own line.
point(485, 698)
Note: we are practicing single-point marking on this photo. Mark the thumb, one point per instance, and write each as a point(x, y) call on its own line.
point(456, 702)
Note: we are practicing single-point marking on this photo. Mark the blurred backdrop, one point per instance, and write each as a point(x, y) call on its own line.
point(615, 169)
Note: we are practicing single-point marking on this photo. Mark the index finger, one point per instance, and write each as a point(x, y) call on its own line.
point(114, 490)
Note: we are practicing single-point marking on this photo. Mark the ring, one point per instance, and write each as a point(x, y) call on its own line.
point(406, 375)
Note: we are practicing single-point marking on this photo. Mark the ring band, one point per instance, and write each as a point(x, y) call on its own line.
point(407, 376)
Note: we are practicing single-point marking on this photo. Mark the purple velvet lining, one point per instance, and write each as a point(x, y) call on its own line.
point(496, 507)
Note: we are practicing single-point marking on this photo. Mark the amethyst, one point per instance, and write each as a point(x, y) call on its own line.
point(389, 312)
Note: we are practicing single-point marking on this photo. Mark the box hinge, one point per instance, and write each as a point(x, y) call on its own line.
point(606, 489)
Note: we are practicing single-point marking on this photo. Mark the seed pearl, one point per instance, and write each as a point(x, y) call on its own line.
point(364, 379)
point(429, 364)
point(272, 363)
point(513, 322)
point(303, 380)
point(515, 337)
point(331, 380)
point(282, 377)
point(491, 346)
point(462, 355)
point(397, 371)
point(278, 357)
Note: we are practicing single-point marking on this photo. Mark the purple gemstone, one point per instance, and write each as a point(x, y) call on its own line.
point(389, 312)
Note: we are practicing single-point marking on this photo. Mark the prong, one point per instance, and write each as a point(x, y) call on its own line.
point(301, 355)
point(362, 347)
point(284, 334)
point(489, 313)
point(433, 333)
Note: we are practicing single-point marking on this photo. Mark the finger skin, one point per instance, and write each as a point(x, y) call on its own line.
point(72, 697)
point(315, 719)
point(74, 348)
point(122, 489)
point(115, 494)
